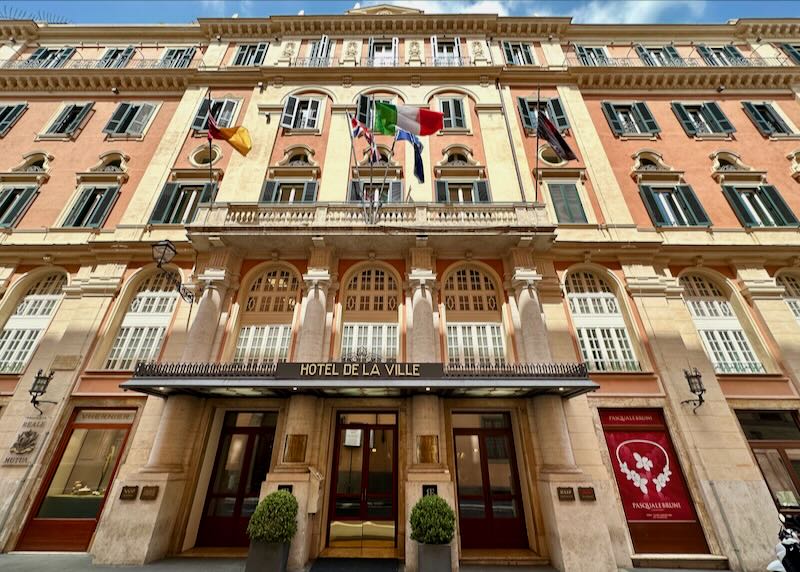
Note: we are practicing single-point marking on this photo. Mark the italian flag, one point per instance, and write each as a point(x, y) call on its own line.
point(418, 121)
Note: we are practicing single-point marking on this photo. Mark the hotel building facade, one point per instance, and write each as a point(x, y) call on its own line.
point(516, 333)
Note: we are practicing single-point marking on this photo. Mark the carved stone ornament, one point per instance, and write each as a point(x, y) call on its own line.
point(350, 50)
point(25, 443)
point(288, 50)
point(414, 50)
point(477, 50)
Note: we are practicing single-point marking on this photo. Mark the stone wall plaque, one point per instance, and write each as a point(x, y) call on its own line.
point(427, 448)
point(28, 439)
point(149, 492)
point(586, 494)
point(129, 492)
point(566, 493)
point(295, 449)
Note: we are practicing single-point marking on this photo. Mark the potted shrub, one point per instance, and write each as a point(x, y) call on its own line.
point(271, 529)
point(432, 526)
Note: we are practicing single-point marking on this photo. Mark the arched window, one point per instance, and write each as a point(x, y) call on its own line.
point(145, 323)
point(474, 322)
point(30, 319)
point(723, 337)
point(599, 323)
point(266, 326)
point(369, 328)
point(791, 284)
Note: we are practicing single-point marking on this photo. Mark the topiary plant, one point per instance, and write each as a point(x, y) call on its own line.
point(275, 518)
point(432, 521)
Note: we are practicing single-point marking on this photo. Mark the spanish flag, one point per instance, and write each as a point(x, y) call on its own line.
point(237, 137)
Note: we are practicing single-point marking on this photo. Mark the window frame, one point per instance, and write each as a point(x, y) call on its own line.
point(116, 57)
point(691, 209)
point(185, 58)
point(643, 119)
point(791, 291)
point(105, 197)
point(168, 202)
point(476, 192)
point(291, 110)
point(451, 102)
point(550, 184)
point(712, 115)
point(507, 47)
point(76, 125)
point(388, 332)
point(200, 121)
point(307, 186)
point(553, 109)
point(14, 110)
point(456, 354)
point(249, 56)
point(9, 218)
point(769, 202)
point(144, 121)
point(58, 59)
point(775, 124)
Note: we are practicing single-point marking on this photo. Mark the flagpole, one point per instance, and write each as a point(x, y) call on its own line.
point(386, 171)
point(210, 148)
point(372, 101)
point(536, 169)
point(354, 159)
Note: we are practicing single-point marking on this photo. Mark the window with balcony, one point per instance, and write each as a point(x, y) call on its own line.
point(265, 330)
point(475, 335)
point(370, 315)
point(116, 57)
point(793, 51)
point(551, 107)
point(518, 54)
point(178, 202)
point(320, 53)
point(14, 201)
point(592, 56)
point(302, 113)
point(69, 120)
point(383, 52)
point(145, 324)
point(724, 339)
point(599, 323)
point(287, 192)
point(222, 110)
point(698, 119)
point(766, 117)
point(662, 56)
point(9, 114)
point(130, 119)
point(24, 328)
point(91, 207)
point(721, 56)
point(462, 191)
point(566, 203)
point(791, 286)
point(389, 192)
point(630, 118)
point(453, 110)
point(49, 57)
point(250, 54)
point(446, 52)
point(673, 205)
point(177, 58)
point(759, 206)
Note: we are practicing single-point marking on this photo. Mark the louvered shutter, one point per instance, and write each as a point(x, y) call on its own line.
point(776, 118)
point(200, 122)
point(241, 56)
point(309, 192)
point(527, 53)
point(371, 49)
point(650, 201)
point(124, 58)
point(112, 127)
point(696, 210)
point(140, 120)
point(480, 191)
point(289, 111)
point(261, 53)
point(683, 116)
point(441, 192)
point(355, 191)
point(103, 207)
point(165, 203)
point(644, 55)
point(35, 60)
point(573, 202)
point(268, 191)
point(524, 113)
point(648, 121)
point(11, 117)
point(363, 111)
point(713, 113)
point(793, 52)
point(396, 191)
point(86, 195)
point(707, 55)
point(734, 54)
point(14, 201)
point(779, 205)
point(509, 54)
point(225, 116)
point(313, 114)
point(331, 50)
point(672, 54)
point(207, 194)
point(395, 51)
point(61, 58)
point(458, 113)
point(186, 58)
point(457, 44)
point(582, 56)
point(613, 120)
point(738, 206)
point(55, 126)
point(108, 58)
point(77, 121)
point(447, 112)
point(557, 113)
point(434, 49)
point(761, 122)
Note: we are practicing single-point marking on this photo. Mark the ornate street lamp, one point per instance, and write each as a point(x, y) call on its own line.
point(695, 381)
point(39, 388)
point(163, 253)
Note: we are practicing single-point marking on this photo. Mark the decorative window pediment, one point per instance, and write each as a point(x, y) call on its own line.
point(457, 161)
point(112, 168)
point(728, 167)
point(794, 157)
point(385, 164)
point(297, 163)
point(34, 169)
point(649, 167)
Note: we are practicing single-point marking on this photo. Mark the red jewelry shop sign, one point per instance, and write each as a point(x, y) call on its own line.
point(656, 500)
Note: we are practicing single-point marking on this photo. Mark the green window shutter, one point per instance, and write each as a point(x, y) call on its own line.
point(509, 54)
point(672, 54)
point(695, 208)
point(186, 58)
point(261, 52)
point(581, 52)
point(524, 113)
point(527, 53)
point(716, 117)
point(268, 192)
point(738, 206)
point(108, 58)
point(567, 203)
point(207, 195)
point(61, 58)
point(480, 191)
point(124, 58)
point(241, 55)
point(289, 111)
point(363, 111)
point(761, 122)
point(707, 55)
point(793, 52)
point(165, 204)
point(734, 54)
point(77, 121)
point(139, 122)
point(200, 121)
point(55, 126)
point(355, 192)
point(10, 115)
point(648, 121)
point(309, 192)
point(458, 113)
point(683, 116)
point(37, 55)
point(779, 205)
point(396, 192)
point(103, 207)
point(653, 207)
point(776, 118)
point(13, 204)
point(75, 218)
point(611, 115)
point(112, 127)
point(644, 55)
point(441, 192)
point(557, 113)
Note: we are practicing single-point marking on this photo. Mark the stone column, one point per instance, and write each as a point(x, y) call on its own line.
point(318, 281)
point(422, 283)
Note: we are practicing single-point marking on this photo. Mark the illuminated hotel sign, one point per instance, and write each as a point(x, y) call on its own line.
point(345, 370)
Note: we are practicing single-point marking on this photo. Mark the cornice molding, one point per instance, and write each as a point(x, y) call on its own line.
point(48, 80)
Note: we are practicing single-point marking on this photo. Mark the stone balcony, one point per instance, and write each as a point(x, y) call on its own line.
point(637, 62)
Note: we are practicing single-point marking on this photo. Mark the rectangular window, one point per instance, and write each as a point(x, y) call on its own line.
point(702, 118)
point(179, 202)
point(134, 344)
point(380, 341)
point(759, 206)
point(661, 57)
point(301, 113)
point(223, 111)
point(551, 107)
point(16, 347)
point(793, 51)
point(518, 54)
point(462, 192)
point(673, 206)
point(382, 53)
point(129, 119)
point(263, 344)
point(177, 58)
point(766, 118)
point(607, 349)
point(390, 192)
point(321, 52)
point(722, 56)
point(69, 120)
point(116, 57)
point(289, 192)
point(453, 110)
point(251, 54)
point(567, 202)
point(92, 207)
point(446, 52)
point(9, 114)
point(475, 344)
point(730, 351)
point(49, 57)
point(14, 201)
point(592, 56)
point(632, 118)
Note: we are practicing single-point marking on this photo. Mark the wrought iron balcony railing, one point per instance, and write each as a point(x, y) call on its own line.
point(613, 365)
point(448, 61)
point(312, 62)
point(637, 62)
point(84, 64)
point(380, 62)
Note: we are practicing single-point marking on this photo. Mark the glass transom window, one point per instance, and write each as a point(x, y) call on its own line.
point(792, 286)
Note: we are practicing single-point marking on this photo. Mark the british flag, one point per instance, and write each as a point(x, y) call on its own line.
point(360, 129)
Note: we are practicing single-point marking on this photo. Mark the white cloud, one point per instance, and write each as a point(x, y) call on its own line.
point(301, 13)
point(213, 7)
point(637, 12)
point(500, 7)
point(356, 6)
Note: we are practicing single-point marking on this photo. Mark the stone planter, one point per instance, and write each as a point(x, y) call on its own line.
point(262, 556)
point(433, 558)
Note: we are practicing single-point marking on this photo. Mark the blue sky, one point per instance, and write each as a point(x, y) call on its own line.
point(586, 11)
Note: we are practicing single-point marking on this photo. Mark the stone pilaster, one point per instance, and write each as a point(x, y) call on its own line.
point(318, 283)
point(422, 284)
point(533, 345)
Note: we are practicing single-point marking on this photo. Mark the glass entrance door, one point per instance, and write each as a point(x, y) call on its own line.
point(240, 466)
point(489, 501)
point(363, 511)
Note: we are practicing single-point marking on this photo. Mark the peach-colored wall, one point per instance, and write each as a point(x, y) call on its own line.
point(80, 155)
point(683, 153)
